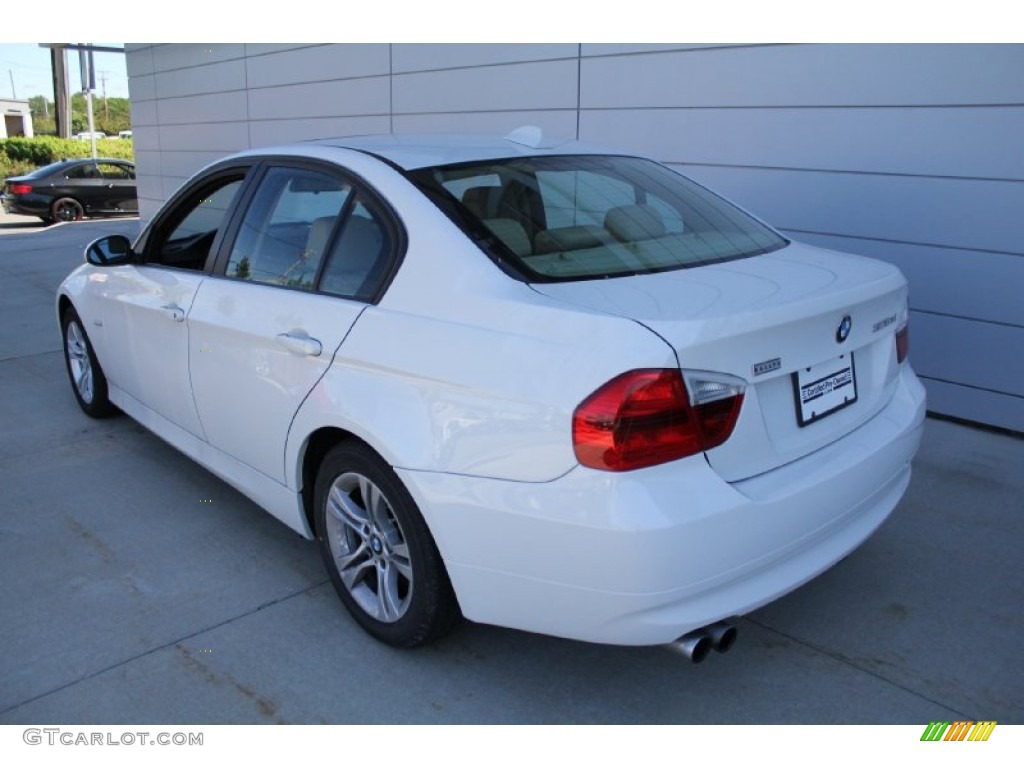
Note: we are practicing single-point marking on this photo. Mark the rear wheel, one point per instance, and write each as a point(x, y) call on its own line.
point(378, 550)
point(67, 209)
point(87, 379)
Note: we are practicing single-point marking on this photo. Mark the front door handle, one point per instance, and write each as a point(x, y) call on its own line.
point(300, 344)
point(176, 313)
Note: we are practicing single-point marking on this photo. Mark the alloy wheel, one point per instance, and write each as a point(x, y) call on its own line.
point(369, 547)
point(79, 362)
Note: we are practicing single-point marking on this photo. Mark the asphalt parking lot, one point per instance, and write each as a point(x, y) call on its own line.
point(139, 588)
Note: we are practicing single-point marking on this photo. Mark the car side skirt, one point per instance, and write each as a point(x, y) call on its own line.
point(280, 501)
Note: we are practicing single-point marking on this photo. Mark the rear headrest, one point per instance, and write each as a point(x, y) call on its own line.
point(319, 231)
point(475, 198)
point(511, 233)
point(570, 238)
point(634, 222)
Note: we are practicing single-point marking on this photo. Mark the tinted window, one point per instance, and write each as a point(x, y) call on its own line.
point(584, 217)
point(359, 259)
point(288, 227)
point(184, 241)
point(82, 172)
point(114, 171)
point(59, 167)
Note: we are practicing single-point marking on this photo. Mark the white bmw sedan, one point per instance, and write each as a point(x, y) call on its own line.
point(543, 386)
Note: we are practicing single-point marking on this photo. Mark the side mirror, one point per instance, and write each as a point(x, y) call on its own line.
point(110, 251)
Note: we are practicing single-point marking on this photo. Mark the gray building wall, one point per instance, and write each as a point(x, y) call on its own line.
point(908, 153)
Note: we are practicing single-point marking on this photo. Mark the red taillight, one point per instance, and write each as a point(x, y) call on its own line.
point(902, 343)
point(19, 189)
point(645, 417)
point(903, 333)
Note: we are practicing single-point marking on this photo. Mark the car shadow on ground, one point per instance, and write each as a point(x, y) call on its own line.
point(22, 225)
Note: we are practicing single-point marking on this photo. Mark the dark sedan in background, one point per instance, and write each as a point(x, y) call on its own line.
point(72, 189)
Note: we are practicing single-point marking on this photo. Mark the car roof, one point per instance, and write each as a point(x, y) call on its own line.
point(410, 152)
point(79, 160)
point(424, 151)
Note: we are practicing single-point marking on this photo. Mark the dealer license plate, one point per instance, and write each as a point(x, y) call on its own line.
point(825, 388)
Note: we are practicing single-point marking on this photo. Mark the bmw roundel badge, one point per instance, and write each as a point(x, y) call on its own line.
point(844, 329)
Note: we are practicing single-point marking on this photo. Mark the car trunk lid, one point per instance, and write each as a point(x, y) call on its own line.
point(774, 321)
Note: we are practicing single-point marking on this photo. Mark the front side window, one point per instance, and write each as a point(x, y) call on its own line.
point(115, 171)
point(185, 238)
point(288, 228)
point(591, 216)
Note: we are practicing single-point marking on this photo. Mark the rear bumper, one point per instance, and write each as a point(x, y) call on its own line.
point(25, 205)
point(640, 558)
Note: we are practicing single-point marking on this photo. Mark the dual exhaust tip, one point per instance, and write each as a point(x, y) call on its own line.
point(696, 645)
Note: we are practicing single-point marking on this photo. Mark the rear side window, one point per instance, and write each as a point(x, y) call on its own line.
point(584, 217)
point(87, 171)
point(361, 255)
point(288, 227)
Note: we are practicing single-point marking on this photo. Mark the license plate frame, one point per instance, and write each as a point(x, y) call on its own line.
point(825, 388)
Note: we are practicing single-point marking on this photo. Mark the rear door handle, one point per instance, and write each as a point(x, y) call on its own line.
point(176, 313)
point(300, 345)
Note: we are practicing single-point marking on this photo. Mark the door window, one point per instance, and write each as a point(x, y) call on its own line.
point(358, 262)
point(112, 171)
point(185, 240)
point(288, 228)
point(87, 171)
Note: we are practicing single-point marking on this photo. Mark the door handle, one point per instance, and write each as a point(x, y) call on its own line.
point(300, 345)
point(176, 313)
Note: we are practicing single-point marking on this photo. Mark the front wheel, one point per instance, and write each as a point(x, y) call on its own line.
point(378, 550)
point(87, 379)
point(67, 209)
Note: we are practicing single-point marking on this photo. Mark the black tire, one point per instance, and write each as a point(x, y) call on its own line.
point(394, 583)
point(67, 209)
point(87, 380)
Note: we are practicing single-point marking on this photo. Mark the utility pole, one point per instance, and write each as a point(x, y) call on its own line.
point(61, 93)
point(106, 110)
point(88, 86)
point(14, 95)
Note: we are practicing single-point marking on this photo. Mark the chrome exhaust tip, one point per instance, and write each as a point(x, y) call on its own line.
point(694, 645)
point(722, 635)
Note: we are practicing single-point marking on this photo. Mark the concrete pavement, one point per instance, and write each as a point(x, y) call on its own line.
point(138, 588)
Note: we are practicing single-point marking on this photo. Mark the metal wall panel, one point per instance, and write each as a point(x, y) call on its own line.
point(908, 153)
point(537, 85)
point(420, 57)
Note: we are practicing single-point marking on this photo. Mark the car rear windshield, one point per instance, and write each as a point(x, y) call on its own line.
point(559, 218)
point(47, 170)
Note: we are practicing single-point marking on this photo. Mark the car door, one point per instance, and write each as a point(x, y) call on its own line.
point(309, 252)
point(118, 187)
point(145, 337)
point(83, 183)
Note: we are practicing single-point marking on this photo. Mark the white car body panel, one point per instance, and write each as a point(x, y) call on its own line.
point(632, 558)
point(465, 381)
point(146, 338)
point(247, 382)
point(784, 305)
